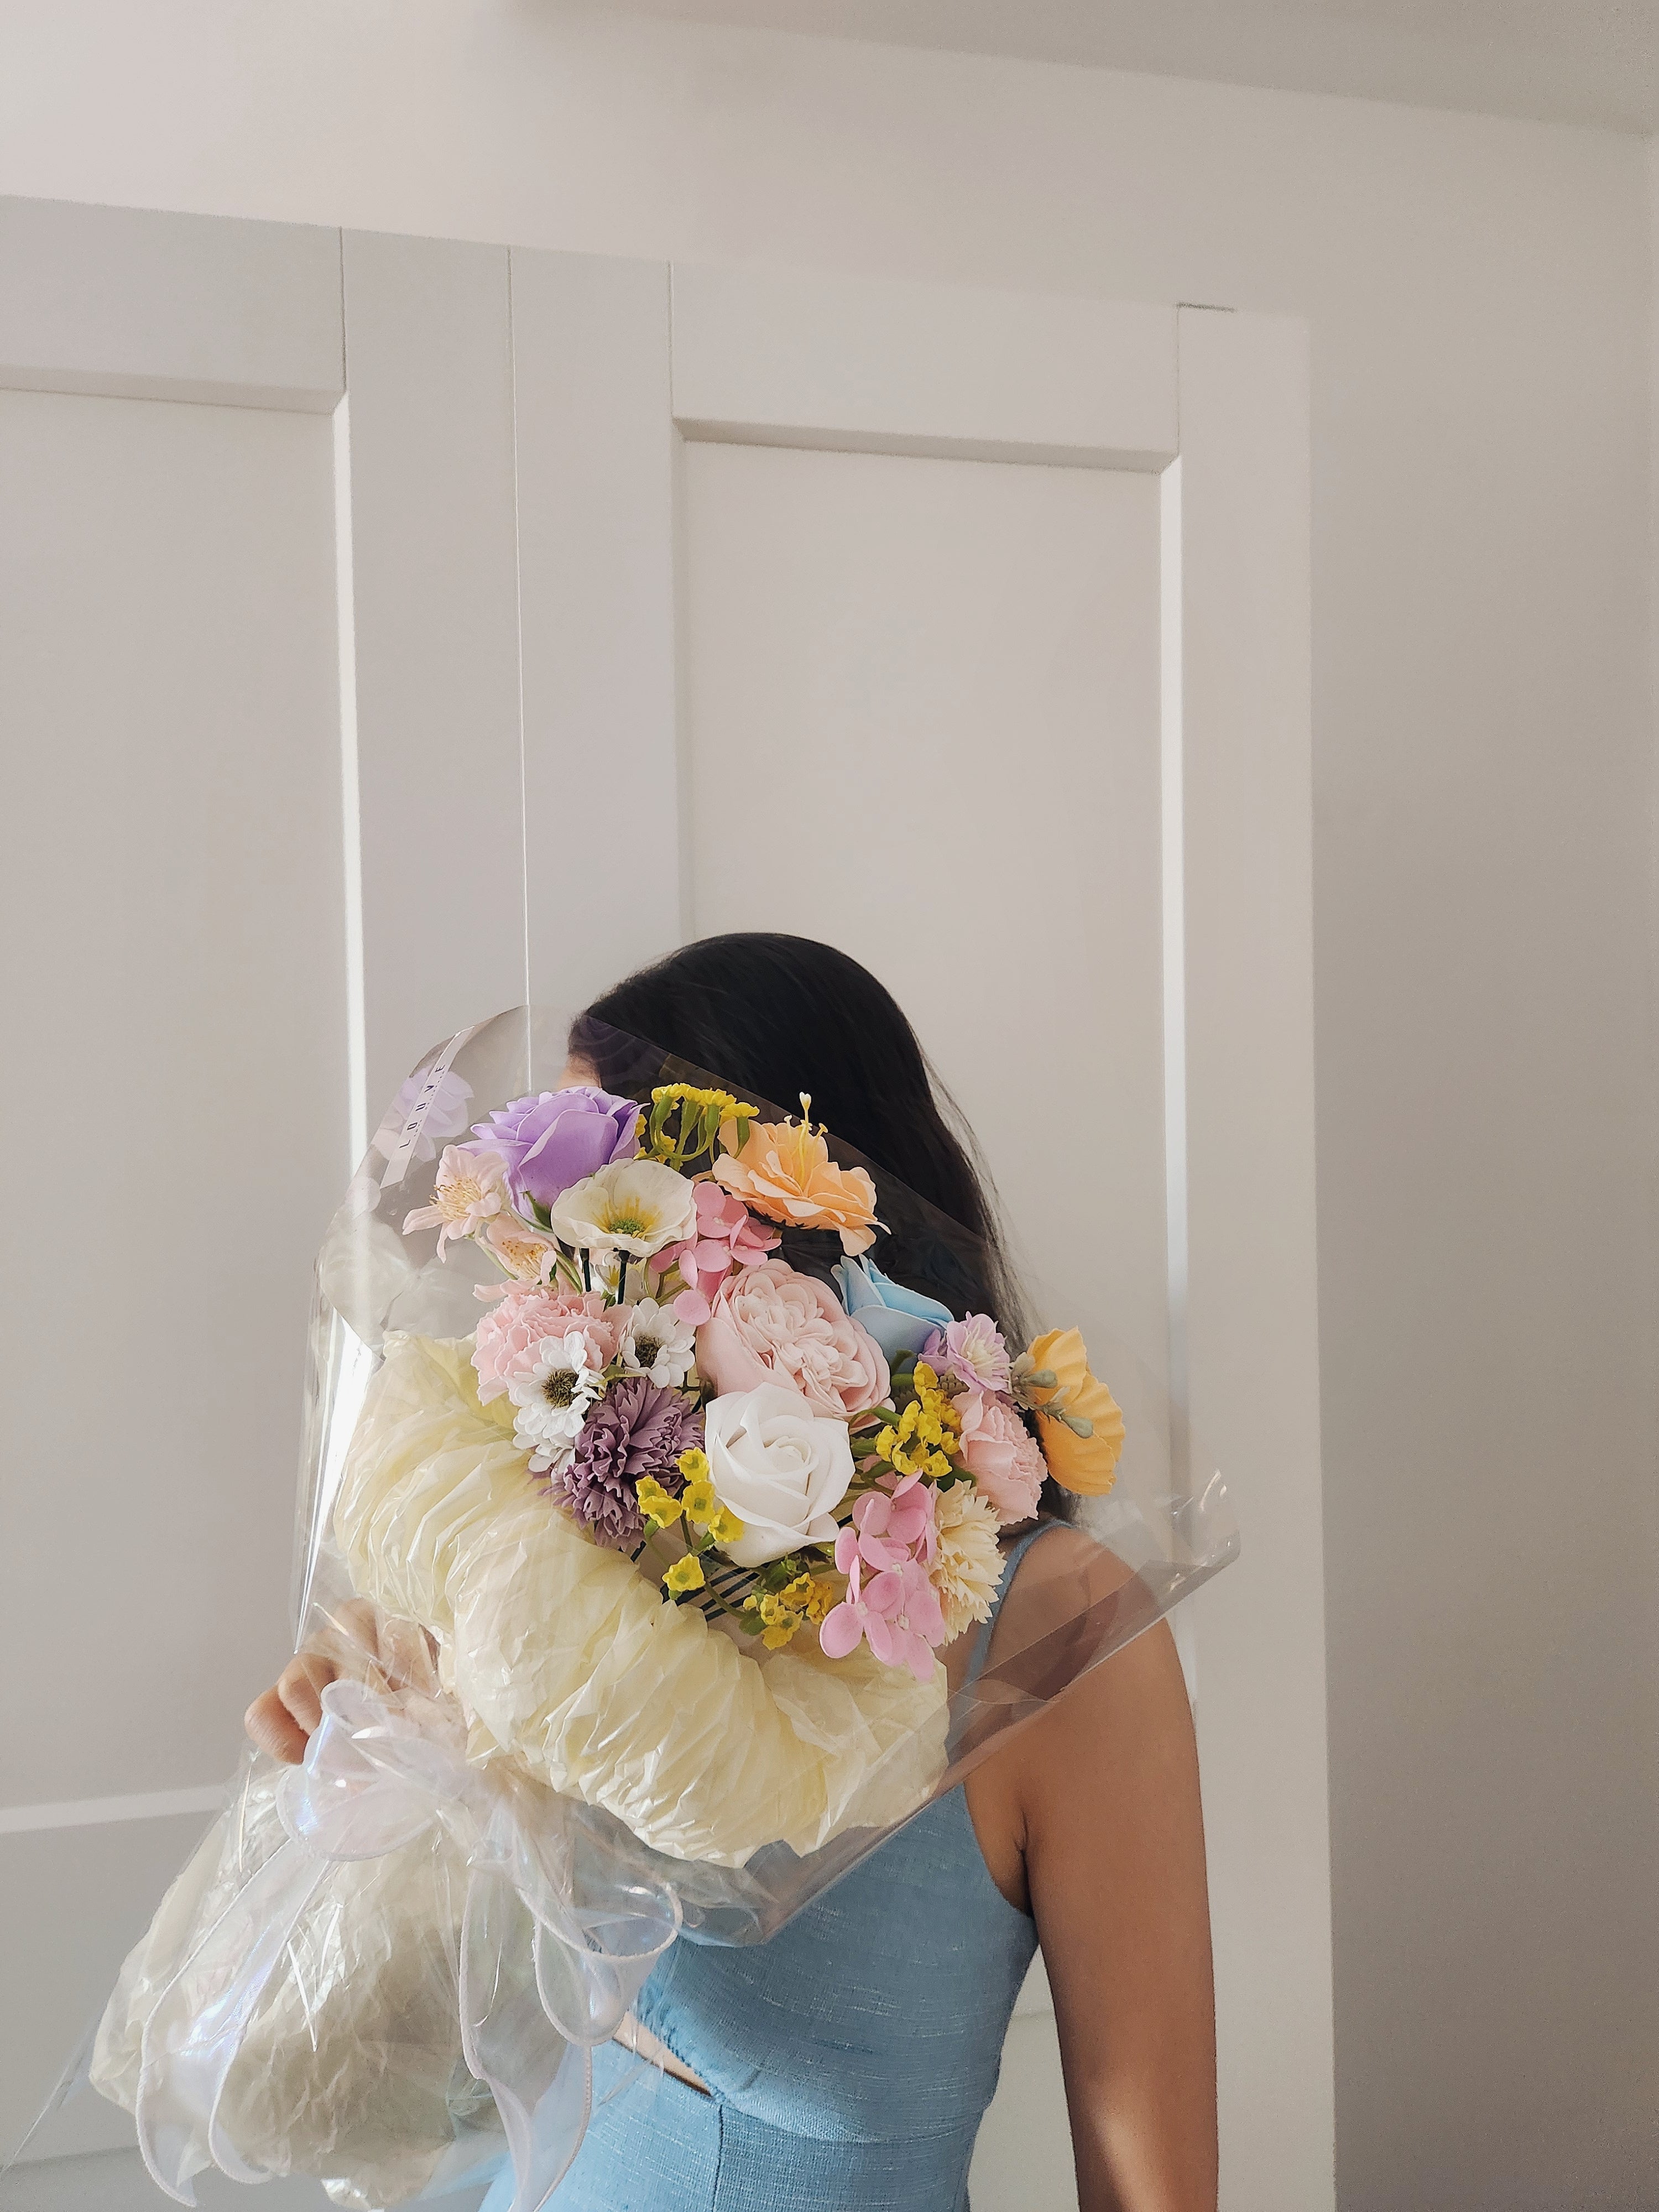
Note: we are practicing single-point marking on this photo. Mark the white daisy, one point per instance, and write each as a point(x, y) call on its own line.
point(659, 1343)
point(552, 1396)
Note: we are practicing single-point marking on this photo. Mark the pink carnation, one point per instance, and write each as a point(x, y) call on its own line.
point(1002, 1455)
point(728, 1235)
point(770, 1325)
point(507, 1337)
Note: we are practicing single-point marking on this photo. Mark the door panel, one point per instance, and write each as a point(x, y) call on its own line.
point(175, 1103)
point(923, 725)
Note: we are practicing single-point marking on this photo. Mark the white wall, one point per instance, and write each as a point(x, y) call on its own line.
point(1478, 291)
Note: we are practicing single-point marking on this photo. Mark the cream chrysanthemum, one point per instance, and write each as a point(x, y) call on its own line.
point(968, 1565)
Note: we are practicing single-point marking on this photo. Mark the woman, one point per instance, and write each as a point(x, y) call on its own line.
point(845, 2065)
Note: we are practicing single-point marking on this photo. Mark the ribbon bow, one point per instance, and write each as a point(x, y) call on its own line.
point(379, 1771)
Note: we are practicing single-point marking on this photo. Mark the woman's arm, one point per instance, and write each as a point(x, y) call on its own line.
point(1101, 1798)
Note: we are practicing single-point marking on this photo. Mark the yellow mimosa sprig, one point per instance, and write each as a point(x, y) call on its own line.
point(685, 1124)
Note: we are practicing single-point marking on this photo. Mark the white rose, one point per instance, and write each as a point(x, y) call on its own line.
point(779, 1468)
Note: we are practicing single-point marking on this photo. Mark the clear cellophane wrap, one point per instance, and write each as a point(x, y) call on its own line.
point(535, 1771)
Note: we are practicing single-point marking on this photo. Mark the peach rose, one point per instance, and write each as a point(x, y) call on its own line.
point(1001, 1454)
point(1086, 1464)
point(769, 1324)
point(785, 1172)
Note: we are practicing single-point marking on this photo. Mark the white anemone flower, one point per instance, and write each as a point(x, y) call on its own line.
point(552, 1396)
point(633, 1206)
point(658, 1343)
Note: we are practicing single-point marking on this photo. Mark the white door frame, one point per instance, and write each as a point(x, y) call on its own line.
point(508, 425)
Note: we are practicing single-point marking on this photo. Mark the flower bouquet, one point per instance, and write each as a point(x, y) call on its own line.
point(641, 1507)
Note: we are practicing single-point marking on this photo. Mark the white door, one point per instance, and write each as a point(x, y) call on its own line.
point(966, 631)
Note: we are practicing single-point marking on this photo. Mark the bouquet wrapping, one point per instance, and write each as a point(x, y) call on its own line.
point(659, 1460)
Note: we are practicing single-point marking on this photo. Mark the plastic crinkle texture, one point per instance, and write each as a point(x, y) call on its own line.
point(662, 1457)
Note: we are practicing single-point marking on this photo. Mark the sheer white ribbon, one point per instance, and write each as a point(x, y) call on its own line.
point(379, 1771)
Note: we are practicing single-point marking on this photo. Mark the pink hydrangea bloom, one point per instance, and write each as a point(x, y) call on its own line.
point(728, 1235)
point(890, 1601)
point(507, 1337)
point(896, 1609)
point(892, 1526)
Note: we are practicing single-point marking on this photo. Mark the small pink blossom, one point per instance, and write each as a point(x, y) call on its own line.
point(505, 1346)
point(974, 1351)
point(728, 1235)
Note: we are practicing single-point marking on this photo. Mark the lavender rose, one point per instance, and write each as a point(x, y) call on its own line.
point(559, 1137)
point(636, 1429)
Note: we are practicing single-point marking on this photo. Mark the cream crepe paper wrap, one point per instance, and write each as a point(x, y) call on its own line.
point(352, 2061)
point(564, 1655)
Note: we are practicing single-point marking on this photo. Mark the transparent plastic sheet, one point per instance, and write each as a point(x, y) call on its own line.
point(533, 1773)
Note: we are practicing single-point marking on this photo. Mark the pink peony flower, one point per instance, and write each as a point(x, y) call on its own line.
point(728, 1235)
point(972, 1351)
point(1003, 1456)
point(506, 1338)
point(768, 1324)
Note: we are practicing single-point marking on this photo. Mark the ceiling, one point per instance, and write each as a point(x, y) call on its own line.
point(1575, 61)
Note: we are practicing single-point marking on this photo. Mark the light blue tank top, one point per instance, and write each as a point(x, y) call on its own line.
point(849, 2060)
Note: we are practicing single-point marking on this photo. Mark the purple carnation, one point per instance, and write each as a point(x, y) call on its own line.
point(637, 1428)
point(558, 1136)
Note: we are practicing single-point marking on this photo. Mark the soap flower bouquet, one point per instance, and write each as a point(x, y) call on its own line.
point(639, 1503)
point(733, 1425)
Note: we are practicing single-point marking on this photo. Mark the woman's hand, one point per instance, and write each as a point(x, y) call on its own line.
point(281, 1721)
point(357, 1641)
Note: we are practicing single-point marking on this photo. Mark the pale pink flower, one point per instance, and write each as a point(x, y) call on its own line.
point(525, 1253)
point(768, 1324)
point(505, 1345)
point(1003, 1456)
point(470, 1190)
point(974, 1351)
point(726, 1236)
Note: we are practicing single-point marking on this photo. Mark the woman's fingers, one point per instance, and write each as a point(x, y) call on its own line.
point(280, 1721)
point(274, 1728)
point(300, 1685)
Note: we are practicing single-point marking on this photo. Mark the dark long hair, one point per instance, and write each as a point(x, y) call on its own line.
point(777, 1016)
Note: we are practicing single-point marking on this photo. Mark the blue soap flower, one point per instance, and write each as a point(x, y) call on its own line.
point(899, 1319)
